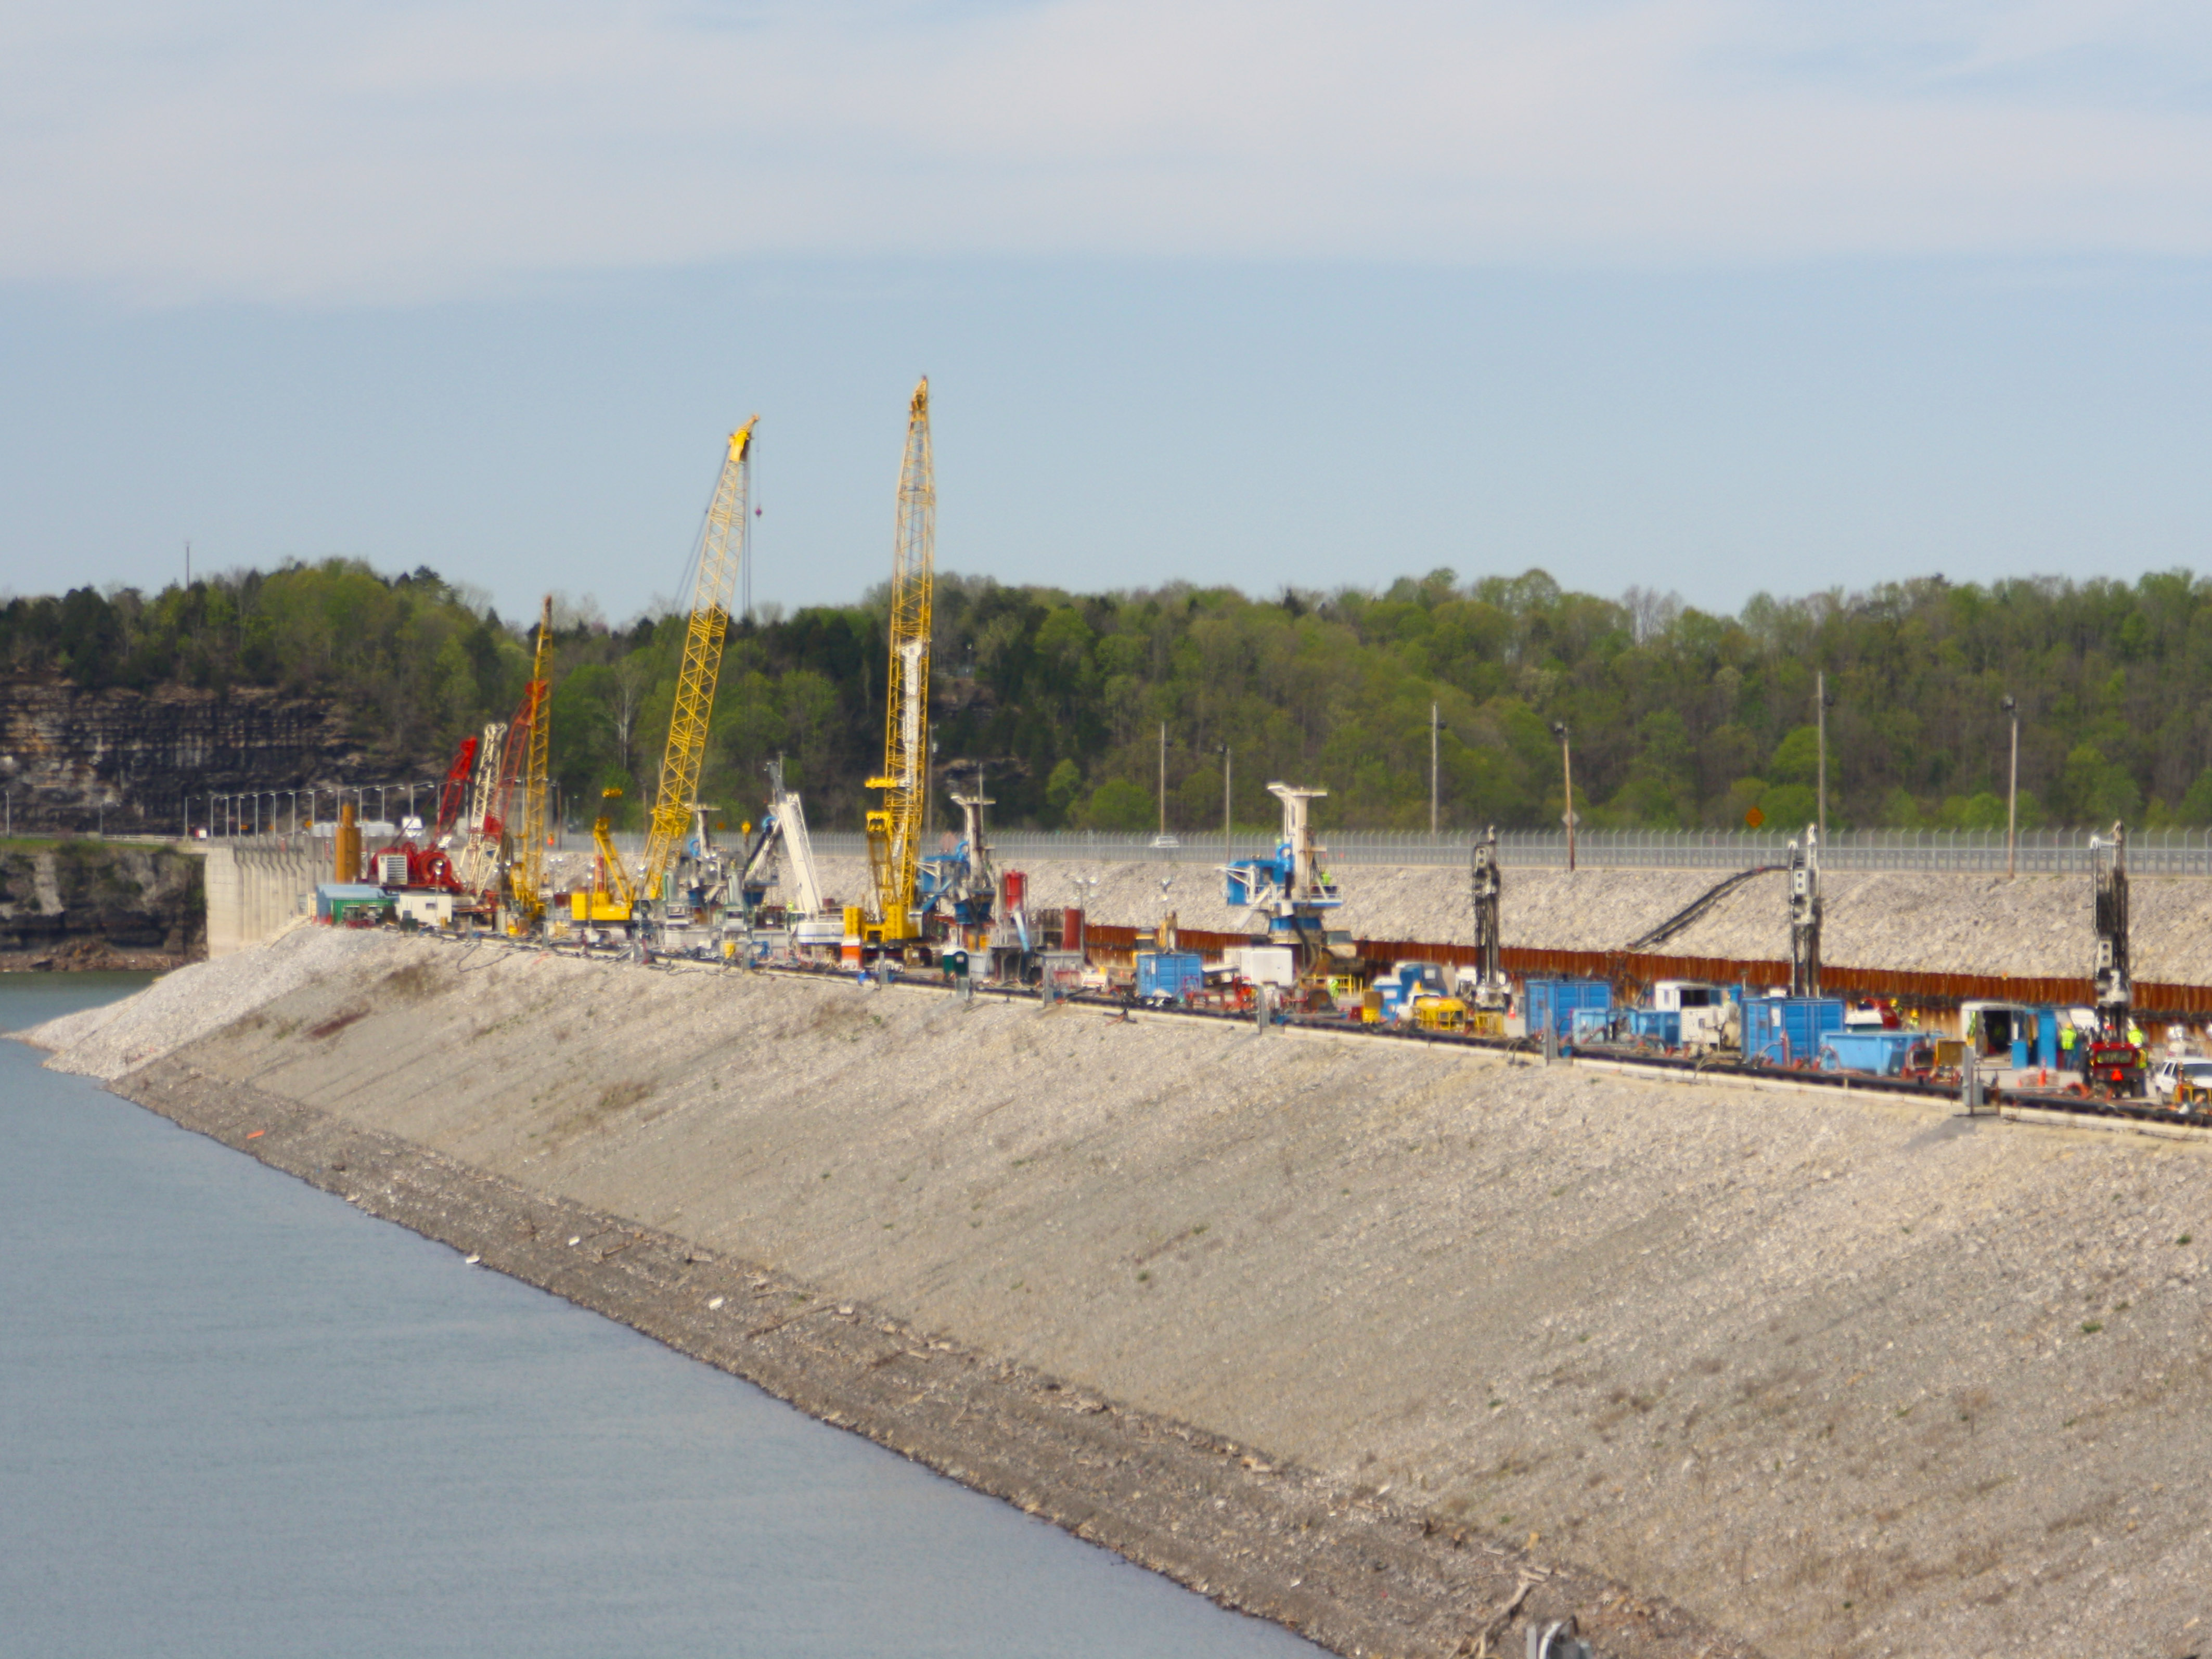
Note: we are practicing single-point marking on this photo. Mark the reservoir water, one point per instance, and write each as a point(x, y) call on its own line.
point(239, 1418)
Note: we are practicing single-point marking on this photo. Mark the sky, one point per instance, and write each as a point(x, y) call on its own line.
point(1717, 297)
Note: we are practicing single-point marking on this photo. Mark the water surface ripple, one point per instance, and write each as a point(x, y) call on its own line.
point(242, 1418)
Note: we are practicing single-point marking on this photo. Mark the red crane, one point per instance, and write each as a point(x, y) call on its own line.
point(426, 865)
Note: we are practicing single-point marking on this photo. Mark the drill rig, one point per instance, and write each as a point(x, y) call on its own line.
point(1291, 891)
point(1805, 915)
point(962, 878)
point(891, 915)
point(783, 824)
point(1489, 990)
point(2115, 1061)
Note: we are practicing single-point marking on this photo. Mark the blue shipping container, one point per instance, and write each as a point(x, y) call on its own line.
point(1663, 1026)
point(1554, 1002)
point(1881, 1053)
point(1789, 1030)
point(1169, 975)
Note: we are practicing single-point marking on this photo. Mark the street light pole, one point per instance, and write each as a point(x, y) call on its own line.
point(1567, 771)
point(1432, 771)
point(1163, 779)
point(1820, 717)
point(1228, 852)
point(2012, 796)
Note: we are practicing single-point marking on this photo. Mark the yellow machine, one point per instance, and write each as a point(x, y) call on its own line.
point(1439, 1014)
point(894, 828)
point(713, 584)
point(526, 875)
point(611, 898)
point(721, 556)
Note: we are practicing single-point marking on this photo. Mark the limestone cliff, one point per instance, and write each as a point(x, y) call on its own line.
point(120, 760)
point(86, 903)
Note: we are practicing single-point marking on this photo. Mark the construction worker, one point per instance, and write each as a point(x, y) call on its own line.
point(2066, 1039)
point(2135, 1033)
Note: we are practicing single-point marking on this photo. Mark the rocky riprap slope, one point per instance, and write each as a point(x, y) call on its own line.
point(100, 904)
point(2036, 927)
point(1843, 1376)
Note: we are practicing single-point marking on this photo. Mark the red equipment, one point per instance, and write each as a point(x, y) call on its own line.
point(427, 868)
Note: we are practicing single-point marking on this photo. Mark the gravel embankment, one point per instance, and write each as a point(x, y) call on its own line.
point(2037, 926)
point(106, 1041)
point(1844, 1378)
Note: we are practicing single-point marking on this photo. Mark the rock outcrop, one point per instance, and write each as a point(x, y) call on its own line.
point(94, 904)
point(119, 760)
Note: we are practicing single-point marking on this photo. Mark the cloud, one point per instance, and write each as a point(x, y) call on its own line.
point(398, 151)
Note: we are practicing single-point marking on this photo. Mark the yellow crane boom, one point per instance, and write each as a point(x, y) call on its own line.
point(894, 828)
point(721, 556)
point(528, 875)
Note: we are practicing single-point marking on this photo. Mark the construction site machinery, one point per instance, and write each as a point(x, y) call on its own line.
point(523, 774)
point(1291, 892)
point(1489, 990)
point(480, 865)
point(715, 572)
point(1805, 915)
point(2115, 1059)
point(959, 883)
point(889, 917)
point(783, 840)
point(418, 861)
point(611, 899)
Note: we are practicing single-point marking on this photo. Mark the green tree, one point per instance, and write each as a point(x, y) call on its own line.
point(1118, 805)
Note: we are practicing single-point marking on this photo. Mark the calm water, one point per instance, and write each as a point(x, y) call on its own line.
point(239, 1418)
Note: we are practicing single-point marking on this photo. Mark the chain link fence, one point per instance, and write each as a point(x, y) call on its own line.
point(1963, 852)
point(1960, 851)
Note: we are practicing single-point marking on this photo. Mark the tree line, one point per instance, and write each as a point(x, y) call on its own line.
point(1677, 718)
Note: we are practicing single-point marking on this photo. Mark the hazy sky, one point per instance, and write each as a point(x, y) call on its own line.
point(1695, 295)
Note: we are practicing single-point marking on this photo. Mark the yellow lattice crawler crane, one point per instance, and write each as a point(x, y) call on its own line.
point(894, 828)
point(713, 584)
point(721, 556)
point(528, 741)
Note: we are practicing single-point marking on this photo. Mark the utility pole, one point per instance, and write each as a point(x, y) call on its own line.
point(1163, 779)
point(1432, 771)
point(2012, 796)
point(1821, 715)
point(1567, 770)
point(1228, 852)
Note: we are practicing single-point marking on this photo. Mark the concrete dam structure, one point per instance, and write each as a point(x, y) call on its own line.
point(1402, 1347)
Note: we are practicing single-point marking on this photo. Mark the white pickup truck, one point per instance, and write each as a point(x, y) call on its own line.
point(2168, 1076)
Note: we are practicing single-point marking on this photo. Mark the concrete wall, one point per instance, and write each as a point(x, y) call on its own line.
point(256, 885)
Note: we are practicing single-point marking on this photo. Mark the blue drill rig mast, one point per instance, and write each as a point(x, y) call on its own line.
point(1291, 891)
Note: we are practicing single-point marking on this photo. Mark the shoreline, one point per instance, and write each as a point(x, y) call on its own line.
point(1338, 1564)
